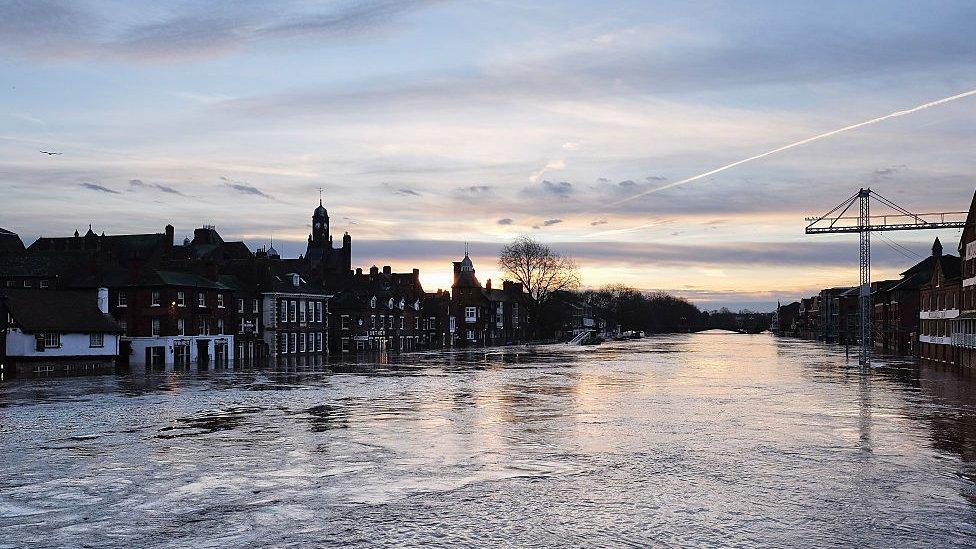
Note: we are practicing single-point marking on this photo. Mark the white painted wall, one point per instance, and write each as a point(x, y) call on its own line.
point(25, 345)
point(139, 345)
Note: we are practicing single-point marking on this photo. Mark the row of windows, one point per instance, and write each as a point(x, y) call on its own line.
point(254, 305)
point(389, 322)
point(940, 301)
point(290, 343)
point(203, 327)
point(155, 299)
point(52, 340)
point(300, 311)
point(29, 284)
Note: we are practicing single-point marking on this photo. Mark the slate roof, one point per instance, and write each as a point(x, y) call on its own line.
point(149, 278)
point(57, 311)
point(41, 264)
point(10, 242)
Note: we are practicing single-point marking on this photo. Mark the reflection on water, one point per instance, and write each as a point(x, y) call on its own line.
point(703, 439)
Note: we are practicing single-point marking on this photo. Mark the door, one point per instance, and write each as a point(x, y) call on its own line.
point(203, 353)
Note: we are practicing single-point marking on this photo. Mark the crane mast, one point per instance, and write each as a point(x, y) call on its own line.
point(835, 221)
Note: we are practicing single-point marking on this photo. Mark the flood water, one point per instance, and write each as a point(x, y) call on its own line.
point(705, 439)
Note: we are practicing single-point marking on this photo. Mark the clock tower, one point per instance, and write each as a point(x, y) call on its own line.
point(320, 226)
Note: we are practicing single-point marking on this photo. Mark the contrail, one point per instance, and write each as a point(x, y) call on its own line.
point(790, 146)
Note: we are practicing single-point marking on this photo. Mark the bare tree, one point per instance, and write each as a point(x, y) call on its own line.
point(540, 270)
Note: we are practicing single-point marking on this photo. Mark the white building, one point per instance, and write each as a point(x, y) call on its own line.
point(48, 330)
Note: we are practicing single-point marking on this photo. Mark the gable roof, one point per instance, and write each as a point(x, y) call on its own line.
point(57, 311)
point(10, 242)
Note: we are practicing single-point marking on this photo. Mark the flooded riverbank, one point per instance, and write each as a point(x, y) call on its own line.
point(701, 439)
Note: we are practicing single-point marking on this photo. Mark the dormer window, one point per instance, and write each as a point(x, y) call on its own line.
point(401, 304)
point(181, 299)
point(389, 304)
point(416, 305)
point(372, 302)
point(295, 280)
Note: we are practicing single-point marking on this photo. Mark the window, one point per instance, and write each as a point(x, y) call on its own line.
point(125, 327)
point(52, 341)
point(282, 343)
point(201, 301)
point(311, 311)
point(96, 340)
point(292, 342)
point(401, 322)
point(180, 327)
point(254, 306)
point(318, 311)
point(470, 335)
point(220, 325)
point(202, 327)
point(154, 300)
point(181, 298)
point(372, 322)
point(44, 284)
point(470, 314)
point(301, 343)
point(220, 301)
point(284, 311)
point(123, 299)
point(318, 341)
point(293, 311)
point(515, 315)
point(344, 322)
point(240, 327)
point(240, 305)
point(155, 327)
point(28, 283)
point(416, 323)
point(389, 323)
point(301, 311)
point(311, 341)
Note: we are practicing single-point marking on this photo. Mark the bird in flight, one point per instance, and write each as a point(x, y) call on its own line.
point(51, 153)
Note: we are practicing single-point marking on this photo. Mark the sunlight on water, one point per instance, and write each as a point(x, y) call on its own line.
point(705, 439)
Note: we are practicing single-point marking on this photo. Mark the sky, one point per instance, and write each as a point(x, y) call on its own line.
point(432, 124)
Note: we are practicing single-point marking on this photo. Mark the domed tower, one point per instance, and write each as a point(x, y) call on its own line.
point(320, 226)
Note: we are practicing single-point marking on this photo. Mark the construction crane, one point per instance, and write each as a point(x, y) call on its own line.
point(835, 221)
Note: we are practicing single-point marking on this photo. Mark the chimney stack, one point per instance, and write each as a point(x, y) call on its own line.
point(387, 270)
point(169, 235)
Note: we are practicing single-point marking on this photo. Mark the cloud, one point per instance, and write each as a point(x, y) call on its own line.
point(473, 190)
point(561, 188)
point(95, 187)
point(403, 191)
point(570, 146)
point(628, 184)
point(886, 173)
point(138, 183)
point(598, 222)
point(505, 221)
point(813, 254)
point(550, 222)
point(244, 188)
point(51, 29)
point(550, 166)
point(653, 178)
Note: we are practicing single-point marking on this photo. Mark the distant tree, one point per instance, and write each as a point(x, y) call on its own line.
point(542, 273)
point(540, 270)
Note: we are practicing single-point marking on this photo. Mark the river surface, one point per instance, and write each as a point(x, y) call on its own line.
point(708, 439)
